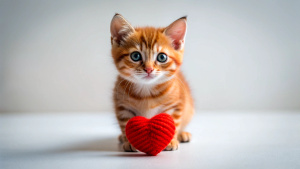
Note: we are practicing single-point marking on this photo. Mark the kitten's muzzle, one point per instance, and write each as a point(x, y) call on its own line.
point(148, 70)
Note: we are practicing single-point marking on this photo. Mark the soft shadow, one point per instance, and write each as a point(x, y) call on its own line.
point(97, 145)
point(130, 154)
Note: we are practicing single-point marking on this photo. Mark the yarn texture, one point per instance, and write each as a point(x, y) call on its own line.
point(150, 136)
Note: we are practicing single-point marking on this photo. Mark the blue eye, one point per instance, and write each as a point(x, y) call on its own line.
point(162, 57)
point(136, 56)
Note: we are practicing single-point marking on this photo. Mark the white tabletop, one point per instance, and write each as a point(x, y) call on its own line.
point(221, 140)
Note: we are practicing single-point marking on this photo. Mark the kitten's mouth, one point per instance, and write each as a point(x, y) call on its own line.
point(149, 76)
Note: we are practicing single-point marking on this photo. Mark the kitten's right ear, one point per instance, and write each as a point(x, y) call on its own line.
point(120, 29)
point(176, 31)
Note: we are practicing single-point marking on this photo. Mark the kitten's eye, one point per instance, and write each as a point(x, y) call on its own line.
point(162, 57)
point(136, 56)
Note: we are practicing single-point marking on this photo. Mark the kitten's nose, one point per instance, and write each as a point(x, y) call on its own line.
point(148, 69)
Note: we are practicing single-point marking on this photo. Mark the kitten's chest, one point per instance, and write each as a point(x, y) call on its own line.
point(148, 108)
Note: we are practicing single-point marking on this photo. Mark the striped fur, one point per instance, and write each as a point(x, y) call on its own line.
point(166, 90)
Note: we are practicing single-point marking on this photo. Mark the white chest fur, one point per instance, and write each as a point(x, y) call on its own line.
point(152, 112)
point(143, 110)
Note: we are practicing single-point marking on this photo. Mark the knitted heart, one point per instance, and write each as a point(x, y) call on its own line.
point(150, 136)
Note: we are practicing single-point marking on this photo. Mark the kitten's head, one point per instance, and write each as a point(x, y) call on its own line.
point(147, 55)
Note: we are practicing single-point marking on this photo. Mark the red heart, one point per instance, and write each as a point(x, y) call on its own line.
point(150, 136)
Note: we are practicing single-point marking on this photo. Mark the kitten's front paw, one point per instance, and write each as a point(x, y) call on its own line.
point(184, 137)
point(128, 147)
point(173, 145)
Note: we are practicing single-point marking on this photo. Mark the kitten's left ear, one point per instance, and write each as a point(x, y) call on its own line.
point(120, 28)
point(177, 31)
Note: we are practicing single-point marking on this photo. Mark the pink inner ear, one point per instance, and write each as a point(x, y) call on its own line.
point(176, 31)
point(120, 28)
point(115, 27)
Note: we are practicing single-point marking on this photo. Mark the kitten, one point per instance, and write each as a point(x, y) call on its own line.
point(150, 82)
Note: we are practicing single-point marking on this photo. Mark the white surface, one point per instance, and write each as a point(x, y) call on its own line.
point(224, 140)
point(55, 55)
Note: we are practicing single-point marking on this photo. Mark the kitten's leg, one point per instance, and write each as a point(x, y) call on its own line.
point(121, 139)
point(174, 144)
point(125, 144)
point(123, 117)
point(184, 137)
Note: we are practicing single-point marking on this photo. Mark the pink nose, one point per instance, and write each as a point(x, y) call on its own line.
point(148, 69)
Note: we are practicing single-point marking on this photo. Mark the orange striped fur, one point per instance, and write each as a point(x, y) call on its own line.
point(148, 86)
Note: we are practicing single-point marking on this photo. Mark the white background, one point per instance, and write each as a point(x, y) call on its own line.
point(239, 55)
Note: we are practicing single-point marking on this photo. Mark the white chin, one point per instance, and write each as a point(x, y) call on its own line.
point(148, 80)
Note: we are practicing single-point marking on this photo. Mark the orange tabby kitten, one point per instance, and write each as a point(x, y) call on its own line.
point(150, 82)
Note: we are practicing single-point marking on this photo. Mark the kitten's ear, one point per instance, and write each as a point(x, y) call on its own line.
point(176, 31)
point(120, 28)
